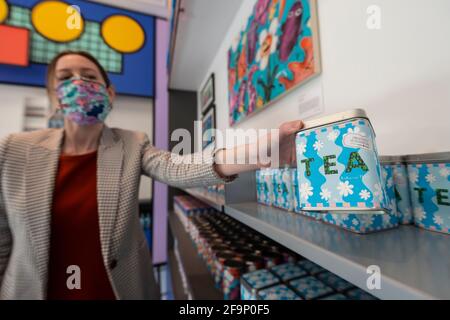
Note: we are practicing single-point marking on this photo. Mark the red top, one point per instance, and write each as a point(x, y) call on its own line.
point(75, 233)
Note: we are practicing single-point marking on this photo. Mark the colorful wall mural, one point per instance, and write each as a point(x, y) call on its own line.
point(276, 51)
point(33, 32)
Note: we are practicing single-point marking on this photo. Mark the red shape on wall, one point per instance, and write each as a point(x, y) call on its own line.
point(14, 45)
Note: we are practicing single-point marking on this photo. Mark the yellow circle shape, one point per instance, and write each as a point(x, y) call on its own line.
point(4, 9)
point(123, 34)
point(57, 21)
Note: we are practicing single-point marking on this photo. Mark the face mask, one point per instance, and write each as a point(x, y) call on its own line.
point(83, 101)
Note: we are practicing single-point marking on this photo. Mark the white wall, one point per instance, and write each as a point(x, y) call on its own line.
point(129, 113)
point(399, 74)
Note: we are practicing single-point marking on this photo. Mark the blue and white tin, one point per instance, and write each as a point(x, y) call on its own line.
point(283, 191)
point(264, 186)
point(289, 271)
point(279, 292)
point(337, 296)
point(358, 294)
point(311, 267)
point(310, 288)
point(296, 198)
point(338, 166)
point(402, 192)
point(252, 283)
point(335, 282)
point(429, 177)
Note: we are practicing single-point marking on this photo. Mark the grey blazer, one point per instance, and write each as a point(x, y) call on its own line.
point(28, 168)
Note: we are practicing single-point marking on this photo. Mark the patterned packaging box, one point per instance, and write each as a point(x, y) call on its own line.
point(288, 271)
point(402, 193)
point(335, 282)
point(429, 178)
point(311, 267)
point(310, 288)
point(279, 292)
point(370, 222)
point(255, 281)
point(264, 186)
point(358, 294)
point(337, 296)
point(296, 198)
point(338, 165)
point(283, 191)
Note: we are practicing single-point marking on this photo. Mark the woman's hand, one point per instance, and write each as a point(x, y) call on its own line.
point(279, 149)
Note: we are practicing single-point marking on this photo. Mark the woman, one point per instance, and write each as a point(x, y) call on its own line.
point(68, 197)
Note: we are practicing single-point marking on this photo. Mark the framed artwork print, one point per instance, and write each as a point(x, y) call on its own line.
point(276, 51)
point(208, 125)
point(207, 95)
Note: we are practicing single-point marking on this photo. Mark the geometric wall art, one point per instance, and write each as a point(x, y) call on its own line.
point(276, 51)
point(122, 40)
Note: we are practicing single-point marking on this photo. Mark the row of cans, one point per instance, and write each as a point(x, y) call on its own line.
point(303, 280)
point(340, 179)
point(416, 189)
point(230, 249)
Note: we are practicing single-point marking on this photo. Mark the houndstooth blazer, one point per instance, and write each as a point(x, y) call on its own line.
point(28, 168)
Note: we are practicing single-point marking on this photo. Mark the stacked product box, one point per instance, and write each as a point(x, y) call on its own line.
point(283, 189)
point(298, 281)
point(264, 186)
point(429, 183)
point(340, 174)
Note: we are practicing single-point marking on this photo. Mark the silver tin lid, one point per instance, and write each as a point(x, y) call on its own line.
point(392, 159)
point(333, 118)
point(440, 157)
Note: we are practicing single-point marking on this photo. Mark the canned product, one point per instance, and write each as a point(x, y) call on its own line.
point(253, 262)
point(272, 258)
point(264, 186)
point(283, 189)
point(338, 166)
point(231, 284)
point(371, 221)
point(253, 282)
point(429, 177)
point(310, 288)
point(279, 292)
point(219, 259)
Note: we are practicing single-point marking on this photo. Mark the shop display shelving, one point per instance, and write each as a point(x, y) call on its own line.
point(214, 200)
point(198, 281)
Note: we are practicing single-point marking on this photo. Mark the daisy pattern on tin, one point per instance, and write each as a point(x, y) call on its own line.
point(430, 178)
point(302, 147)
point(419, 214)
point(356, 130)
point(306, 190)
point(438, 220)
point(378, 191)
point(318, 145)
point(345, 188)
point(413, 177)
point(364, 194)
point(444, 172)
point(325, 194)
point(332, 136)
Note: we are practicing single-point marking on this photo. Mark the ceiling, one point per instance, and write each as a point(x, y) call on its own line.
point(202, 27)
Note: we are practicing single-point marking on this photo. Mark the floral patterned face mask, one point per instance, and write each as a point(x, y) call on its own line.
point(83, 101)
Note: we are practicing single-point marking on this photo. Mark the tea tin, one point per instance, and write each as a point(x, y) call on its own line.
point(338, 166)
point(283, 191)
point(310, 288)
point(255, 281)
point(358, 294)
point(279, 292)
point(231, 285)
point(311, 267)
point(264, 186)
point(402, 192)
point(335, 282)
point(288, 271)
point(429, 182)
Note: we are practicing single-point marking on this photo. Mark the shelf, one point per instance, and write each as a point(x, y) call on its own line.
point(200, 283)
point(214, 200)
point(414, 263)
